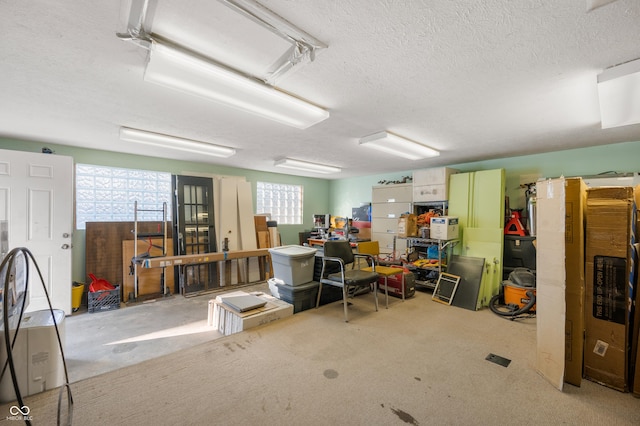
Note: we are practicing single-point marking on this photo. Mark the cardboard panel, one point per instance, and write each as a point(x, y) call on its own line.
point(575, 199)
point(635, 296)
point(550, 280)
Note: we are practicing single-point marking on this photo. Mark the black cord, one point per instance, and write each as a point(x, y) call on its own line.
point(9, 262)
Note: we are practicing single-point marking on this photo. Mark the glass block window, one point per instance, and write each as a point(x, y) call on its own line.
point(284, 202)
point(107, 194)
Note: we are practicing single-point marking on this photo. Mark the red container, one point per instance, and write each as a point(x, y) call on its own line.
point(395, 283)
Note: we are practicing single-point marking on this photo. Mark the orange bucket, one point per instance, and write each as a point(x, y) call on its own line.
point(515, 295)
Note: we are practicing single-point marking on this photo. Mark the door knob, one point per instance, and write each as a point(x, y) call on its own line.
point(66, 235)
point(66, 246)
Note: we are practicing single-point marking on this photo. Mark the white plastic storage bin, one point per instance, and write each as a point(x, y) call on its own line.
point(36, 355)
point(293, 264)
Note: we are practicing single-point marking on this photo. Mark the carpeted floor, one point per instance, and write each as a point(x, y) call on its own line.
point(418, 363)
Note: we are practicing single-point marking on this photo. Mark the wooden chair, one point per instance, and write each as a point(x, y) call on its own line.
point(373, 248)
point(340, 253)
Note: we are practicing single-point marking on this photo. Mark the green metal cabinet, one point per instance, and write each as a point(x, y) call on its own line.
point(477, 199)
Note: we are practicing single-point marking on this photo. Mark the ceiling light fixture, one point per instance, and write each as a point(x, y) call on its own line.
point(289, 163)
point(172, 142)
point(175, 68)
point(619, 94)
point(396, 145)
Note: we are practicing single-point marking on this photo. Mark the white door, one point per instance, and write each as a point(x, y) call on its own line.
point(36, 198)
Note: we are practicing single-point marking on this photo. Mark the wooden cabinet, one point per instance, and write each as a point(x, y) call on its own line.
point(388, 203)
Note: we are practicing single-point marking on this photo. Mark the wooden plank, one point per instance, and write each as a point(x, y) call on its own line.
point(103, 247)
point(260, 222)
point(250, 270)
point(264, 241)
point(149, 280)
point(193, 259)
point(228, 227)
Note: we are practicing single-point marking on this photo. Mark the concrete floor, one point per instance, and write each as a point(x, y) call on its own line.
point(418, 362)
point(96, 343)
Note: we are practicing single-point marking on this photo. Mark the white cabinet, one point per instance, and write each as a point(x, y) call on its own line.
point(431, 184)
point(388, 203)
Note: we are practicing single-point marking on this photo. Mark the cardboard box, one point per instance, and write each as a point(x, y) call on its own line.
point(634, 372)
point(364, 230)
point(408, 225)
point(444, 228)
point(610, 217)
point(431, 184)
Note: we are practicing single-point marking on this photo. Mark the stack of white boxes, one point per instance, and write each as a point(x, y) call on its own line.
point(228, 321)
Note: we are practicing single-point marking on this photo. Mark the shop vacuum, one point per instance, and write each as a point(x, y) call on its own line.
point(517, 296)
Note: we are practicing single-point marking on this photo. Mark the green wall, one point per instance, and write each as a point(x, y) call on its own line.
point(316, 191)
point(337, 197)
point(621, 157)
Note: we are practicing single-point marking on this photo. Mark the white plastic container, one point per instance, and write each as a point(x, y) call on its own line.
point(36, 355)
point(444, 228)
point(293, 264)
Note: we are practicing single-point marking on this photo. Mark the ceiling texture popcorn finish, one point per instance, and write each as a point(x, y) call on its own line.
point(472, 80)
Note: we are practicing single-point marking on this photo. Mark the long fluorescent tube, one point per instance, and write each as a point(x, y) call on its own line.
point(396, 145)
point(619, 94)
point(289, 163)
point(172, 142)
point(178, 70)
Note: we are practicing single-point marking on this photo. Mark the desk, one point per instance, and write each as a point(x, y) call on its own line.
point(315, 242)
point(318, 242)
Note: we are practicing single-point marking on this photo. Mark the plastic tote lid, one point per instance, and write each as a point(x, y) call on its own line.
point(293, 251)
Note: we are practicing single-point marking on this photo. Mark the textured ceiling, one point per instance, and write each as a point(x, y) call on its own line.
point(475, 79)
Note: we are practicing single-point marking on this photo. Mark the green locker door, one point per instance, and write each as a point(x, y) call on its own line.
point(459, 202)
point(478, 200)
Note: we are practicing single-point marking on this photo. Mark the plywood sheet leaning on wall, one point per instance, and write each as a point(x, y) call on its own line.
point(149, 280)
point(249, 268)
point(550, 280)
point(575, 203)
point(228, 214)
point(103, 247)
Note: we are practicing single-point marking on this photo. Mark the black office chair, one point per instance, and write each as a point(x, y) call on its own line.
point(340, 253)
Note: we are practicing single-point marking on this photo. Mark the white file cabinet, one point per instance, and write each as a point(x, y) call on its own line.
point(388, 202)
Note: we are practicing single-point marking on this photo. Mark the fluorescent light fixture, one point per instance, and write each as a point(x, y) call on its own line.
point(172, 142)
point(176, 69)
point(396, 145)
point(619, 94)
point(289, 163)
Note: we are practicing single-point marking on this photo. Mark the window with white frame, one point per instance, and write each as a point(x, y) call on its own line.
point(107, 194)
point(282, 201)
